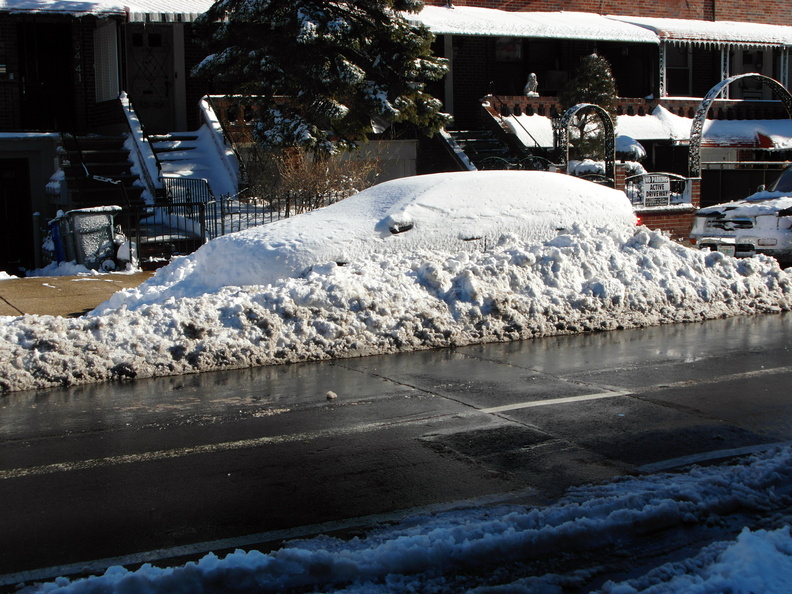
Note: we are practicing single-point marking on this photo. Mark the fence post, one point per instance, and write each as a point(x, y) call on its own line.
point(202, 220)
point(223, 213)
point(620, 177)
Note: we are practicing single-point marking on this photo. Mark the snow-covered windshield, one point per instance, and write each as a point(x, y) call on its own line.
point(784, 182)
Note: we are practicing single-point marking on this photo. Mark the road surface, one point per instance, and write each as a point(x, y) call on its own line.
point(165, 468)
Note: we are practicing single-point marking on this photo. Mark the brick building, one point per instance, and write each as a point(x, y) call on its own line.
point(62, 67)
point(662, 54)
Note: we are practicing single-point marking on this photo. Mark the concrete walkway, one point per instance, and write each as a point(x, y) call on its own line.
point(67, 296)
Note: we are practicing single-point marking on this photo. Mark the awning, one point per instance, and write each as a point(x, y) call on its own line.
point(662, 125)
point(468, 20)
point(141, 11)
point(713, 32)
point(167, 11)
point(65, 7)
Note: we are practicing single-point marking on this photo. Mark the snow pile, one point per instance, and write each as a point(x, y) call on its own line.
point(447, 211)
point(424, 262)
point(579, 281)
point(483, 548)
point(629, 149)
point(72, 269)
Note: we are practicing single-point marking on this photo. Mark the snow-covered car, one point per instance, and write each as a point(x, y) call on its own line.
point(758, 224)
point(459, 211)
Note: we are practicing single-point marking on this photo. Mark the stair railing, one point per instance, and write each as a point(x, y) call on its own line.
point(144, 155)
point(72, 148)
point(502, 107)
point(456, 152)
point(223, 141)
point(187, 197)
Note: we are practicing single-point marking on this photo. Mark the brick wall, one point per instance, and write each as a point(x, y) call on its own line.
point(750, 11)
point(676, 224)
point(472, 77)
point(9, 84)
point(84, 78)
point(196, 88)
point(674, 221)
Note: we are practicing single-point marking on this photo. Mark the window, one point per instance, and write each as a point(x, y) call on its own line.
point(678, 59)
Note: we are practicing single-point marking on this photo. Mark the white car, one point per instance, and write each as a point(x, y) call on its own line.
point(458, 211)
point(759, 224)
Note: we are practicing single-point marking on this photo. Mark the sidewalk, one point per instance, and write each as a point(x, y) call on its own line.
point(67, 296)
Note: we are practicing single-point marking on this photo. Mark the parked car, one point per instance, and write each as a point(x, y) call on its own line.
point(758, 224)
point(460, 211)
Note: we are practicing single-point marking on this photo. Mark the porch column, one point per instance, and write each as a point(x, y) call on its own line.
point(725, 68)
point(179, 78)
point(448, 53)
point(662, 90)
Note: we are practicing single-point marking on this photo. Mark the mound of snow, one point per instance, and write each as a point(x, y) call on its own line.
point(580, 281)
point(465, 211)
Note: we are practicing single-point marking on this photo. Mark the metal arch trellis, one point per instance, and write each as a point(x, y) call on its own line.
point(562, 134)
point(694, 151)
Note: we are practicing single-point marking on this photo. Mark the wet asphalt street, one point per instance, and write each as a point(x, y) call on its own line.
point(178, 466)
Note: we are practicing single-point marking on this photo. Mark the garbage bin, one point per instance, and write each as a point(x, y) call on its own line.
point(85, 236)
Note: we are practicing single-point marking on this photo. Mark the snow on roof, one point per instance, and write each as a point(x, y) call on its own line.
point(468, 20)
point(712, 32)
point(139, 11)
point(661, 124)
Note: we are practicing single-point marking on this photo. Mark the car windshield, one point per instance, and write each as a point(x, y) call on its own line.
point(783, 183)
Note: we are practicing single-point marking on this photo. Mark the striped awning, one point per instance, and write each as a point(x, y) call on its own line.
point(140, 11)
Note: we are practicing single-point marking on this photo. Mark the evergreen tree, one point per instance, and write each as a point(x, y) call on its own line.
point(592, 82)
point(323, 70)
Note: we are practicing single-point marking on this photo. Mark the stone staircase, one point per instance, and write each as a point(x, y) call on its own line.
point(98, 172)
point(193, 156)
point(175, 148)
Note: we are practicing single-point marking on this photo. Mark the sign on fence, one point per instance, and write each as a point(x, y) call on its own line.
point(656, 190)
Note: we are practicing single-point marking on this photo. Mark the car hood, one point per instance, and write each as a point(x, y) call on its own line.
point(761, 203)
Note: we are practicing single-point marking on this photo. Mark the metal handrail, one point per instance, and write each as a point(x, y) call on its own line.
point(140, 138)
point(228, 137)
point(518, 122)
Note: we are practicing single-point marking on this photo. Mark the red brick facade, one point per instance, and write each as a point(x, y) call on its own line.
point(677, 225)
point(9, 94)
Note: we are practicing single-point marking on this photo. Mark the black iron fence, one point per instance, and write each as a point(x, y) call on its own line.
point(188, 216)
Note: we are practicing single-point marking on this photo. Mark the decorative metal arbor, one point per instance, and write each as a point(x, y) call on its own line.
point(561, 129)
point(694, 152)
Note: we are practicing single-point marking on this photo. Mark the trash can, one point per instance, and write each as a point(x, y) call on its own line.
point(85, 236)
